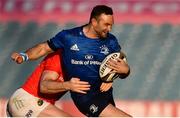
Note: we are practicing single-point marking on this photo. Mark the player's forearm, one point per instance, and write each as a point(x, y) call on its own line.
point(52, 87)
point(125, 72)
point(33, 53)
point(124, 69)
point(38, 51)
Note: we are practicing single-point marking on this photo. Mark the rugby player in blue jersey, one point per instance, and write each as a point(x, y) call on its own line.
point(83, 49)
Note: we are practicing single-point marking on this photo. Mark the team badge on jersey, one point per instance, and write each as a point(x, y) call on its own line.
point(40, 102)
point(93, 108)
point(104, 49)
point(75, 47)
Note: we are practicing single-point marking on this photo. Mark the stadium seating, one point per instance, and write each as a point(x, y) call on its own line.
point(153, 53)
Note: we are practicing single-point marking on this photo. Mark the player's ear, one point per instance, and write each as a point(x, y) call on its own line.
point(94, 21)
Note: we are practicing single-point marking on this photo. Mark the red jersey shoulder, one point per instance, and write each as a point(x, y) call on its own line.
point(53, 62)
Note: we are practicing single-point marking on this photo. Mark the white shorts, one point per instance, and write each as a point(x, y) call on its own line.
point(23, 104)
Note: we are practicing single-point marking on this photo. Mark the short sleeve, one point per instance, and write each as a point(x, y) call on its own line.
point(57, 42)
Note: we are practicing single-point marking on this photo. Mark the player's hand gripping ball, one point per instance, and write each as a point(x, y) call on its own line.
point(104, 71)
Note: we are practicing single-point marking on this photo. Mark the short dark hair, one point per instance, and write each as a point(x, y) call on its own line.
point(100, 9)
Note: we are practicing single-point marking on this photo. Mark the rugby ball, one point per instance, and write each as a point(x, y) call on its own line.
point(104, 71)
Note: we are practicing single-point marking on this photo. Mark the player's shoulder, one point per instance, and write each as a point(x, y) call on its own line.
point(74, 30)
point(68, 31)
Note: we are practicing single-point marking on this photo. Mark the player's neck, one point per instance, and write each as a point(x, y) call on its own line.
point(89, 32)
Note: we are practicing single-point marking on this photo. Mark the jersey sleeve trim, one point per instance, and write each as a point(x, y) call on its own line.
point(51, 45)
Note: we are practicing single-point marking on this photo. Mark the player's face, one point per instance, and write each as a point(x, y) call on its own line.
point(103, 25)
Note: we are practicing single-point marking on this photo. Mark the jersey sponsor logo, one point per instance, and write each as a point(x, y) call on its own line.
point(104, 49)
point(93, 108)
point(74, 47)
point(82, 62)
point(88, 56)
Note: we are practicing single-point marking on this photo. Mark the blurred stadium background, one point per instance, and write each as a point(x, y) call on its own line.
point(148, 31)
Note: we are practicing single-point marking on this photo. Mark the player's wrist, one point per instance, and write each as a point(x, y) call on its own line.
point(65, 85)
point(24, 56)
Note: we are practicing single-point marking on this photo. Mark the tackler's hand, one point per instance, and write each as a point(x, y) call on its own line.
point(78, 86)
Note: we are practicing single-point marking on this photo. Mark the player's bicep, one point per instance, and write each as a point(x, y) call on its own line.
point(48, 48)
point(49, 75)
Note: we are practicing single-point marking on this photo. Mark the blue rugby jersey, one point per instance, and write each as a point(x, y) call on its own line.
point(82, 56)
